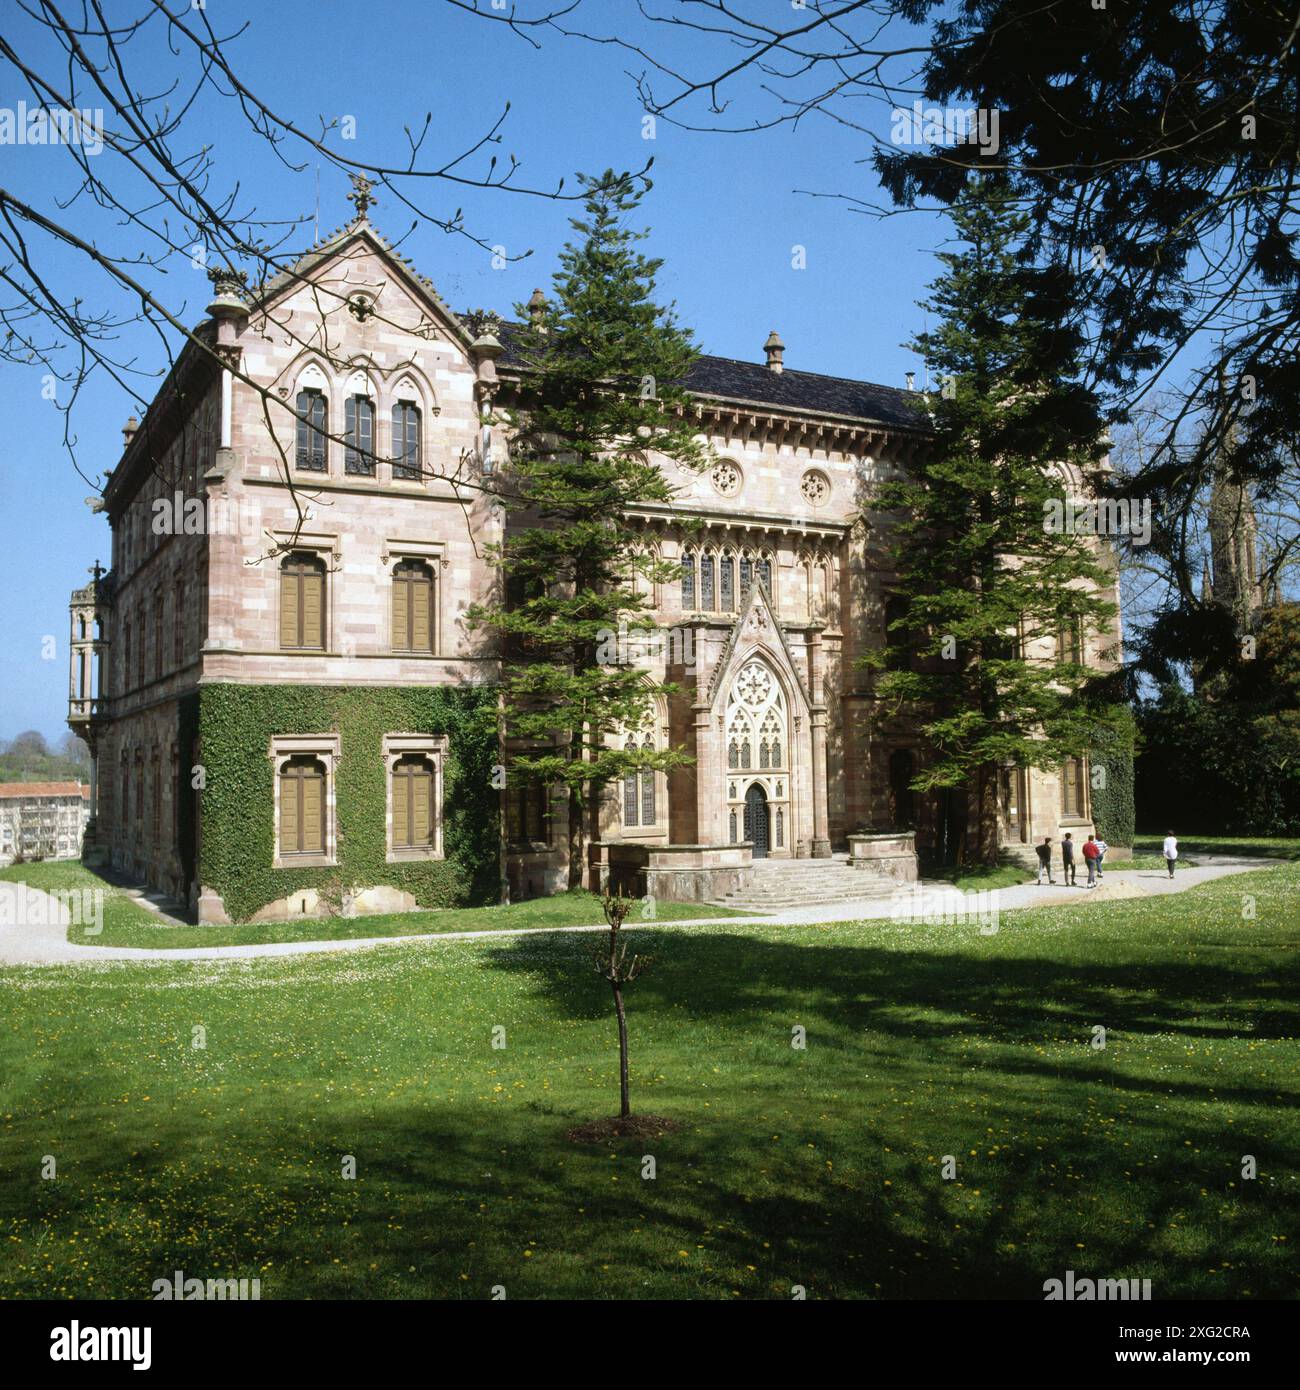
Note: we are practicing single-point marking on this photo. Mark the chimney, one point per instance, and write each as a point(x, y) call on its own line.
point(128, 431)
point(911, 381)
point(774, 348)
point(536, 308)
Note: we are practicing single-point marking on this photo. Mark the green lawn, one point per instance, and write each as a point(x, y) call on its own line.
point(818, 1167)
point(979, 877)
point(1286, 847)
point(126, 923)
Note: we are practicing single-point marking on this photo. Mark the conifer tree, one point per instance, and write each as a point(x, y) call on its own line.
point(997, 575)
point(602, 365)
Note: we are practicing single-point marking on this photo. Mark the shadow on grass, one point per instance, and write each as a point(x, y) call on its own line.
point(449, 1202)
point(927, 994)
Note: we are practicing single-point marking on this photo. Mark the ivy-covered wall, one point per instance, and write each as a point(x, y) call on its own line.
point(236, 724)
point(1111, 755)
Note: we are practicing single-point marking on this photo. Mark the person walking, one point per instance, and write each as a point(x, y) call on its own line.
point(1045, 860)
point(1067, 860)
point(1171, 852)
point(1102, 847)
point(1090, 858)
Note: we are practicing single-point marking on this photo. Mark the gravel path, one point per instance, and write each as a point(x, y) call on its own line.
point(40, 936)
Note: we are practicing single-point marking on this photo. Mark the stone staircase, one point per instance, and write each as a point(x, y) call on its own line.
point(782, 883)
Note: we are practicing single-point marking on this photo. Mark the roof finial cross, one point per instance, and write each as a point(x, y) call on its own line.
point(361, 196)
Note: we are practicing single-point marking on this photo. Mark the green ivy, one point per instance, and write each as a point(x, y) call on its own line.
point(235, 725)
point(1112, 802)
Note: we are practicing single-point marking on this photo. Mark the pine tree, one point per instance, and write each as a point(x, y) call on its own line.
point(987, 559)
point(601, 361)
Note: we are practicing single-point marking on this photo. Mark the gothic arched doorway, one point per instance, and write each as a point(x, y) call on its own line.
point(756, 820)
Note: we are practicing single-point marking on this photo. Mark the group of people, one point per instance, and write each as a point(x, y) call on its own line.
point(1093, 850)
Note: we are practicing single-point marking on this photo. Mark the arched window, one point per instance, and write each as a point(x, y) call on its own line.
point(763, 568)
point(647, 787)
point(302, 602)
point(158, 639)
point(639, 798)
point(726, 572)
point(746, 574)
point(302, 807)
point(413, 613)
point(630, 804)
point(746, 761)
point(359, 431)
point(413, 803)
point(407, 453)
point(733, 754)
point(311, 452)
point(126, 655)
point(688, 581)
point(706, 581)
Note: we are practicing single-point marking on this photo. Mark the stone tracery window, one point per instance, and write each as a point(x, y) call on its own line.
point(713, 581)
point(815, 487)
point(640, 793)
point(726, 478)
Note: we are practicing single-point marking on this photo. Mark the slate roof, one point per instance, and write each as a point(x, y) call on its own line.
point(726, 378)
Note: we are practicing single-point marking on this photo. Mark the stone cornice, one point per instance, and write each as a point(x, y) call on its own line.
point(719, 519)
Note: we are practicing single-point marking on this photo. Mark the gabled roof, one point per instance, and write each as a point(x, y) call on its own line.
point(359, 229)
point(810, 393)
point(727, 658)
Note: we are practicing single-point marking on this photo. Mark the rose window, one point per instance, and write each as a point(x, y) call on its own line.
point(816, 488)
point(726, 478)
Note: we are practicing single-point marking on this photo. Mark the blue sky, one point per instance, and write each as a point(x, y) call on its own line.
point(724, 214)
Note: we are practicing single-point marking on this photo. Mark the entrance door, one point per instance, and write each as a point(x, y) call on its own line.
point(756, 820)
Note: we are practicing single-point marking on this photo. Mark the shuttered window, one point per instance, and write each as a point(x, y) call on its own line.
point(412, 607)
point(1072, 787)
point(311, 431)
point(302, 807)
point(413, 787)
point(407, 461)
point(302, 603)
point(359, 431)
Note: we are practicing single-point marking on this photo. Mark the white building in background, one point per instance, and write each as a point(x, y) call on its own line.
point(42, 820)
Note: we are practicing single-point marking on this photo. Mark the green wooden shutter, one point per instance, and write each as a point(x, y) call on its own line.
point(313, 811)
point(289, 812)
point(421, 781)
point(401, 808)
point(289, 602)
point(313, 610)
point(401, 610)
point(422, 612)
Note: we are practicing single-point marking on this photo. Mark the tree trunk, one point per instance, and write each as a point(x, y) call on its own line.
point(577, 840)
point(625, 1108)
point(986, 811)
